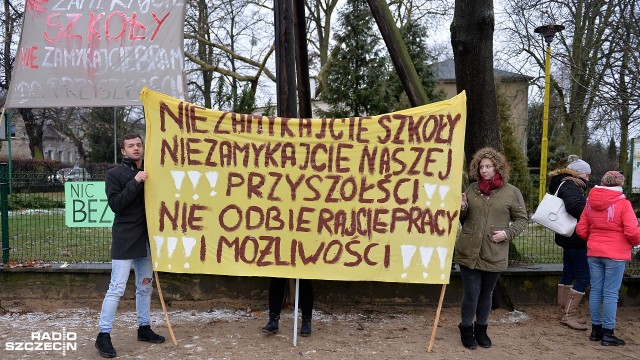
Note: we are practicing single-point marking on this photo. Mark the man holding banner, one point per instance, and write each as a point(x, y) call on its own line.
point(130, 245)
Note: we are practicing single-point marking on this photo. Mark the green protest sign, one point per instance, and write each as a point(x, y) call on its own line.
point(86, 205)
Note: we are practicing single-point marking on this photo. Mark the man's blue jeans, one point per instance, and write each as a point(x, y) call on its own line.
point(120, 270)
point(606, 278)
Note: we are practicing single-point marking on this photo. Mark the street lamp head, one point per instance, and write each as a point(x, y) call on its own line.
point(549, 31)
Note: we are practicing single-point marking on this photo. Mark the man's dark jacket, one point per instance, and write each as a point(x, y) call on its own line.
point(126, 200)
point(572, 193)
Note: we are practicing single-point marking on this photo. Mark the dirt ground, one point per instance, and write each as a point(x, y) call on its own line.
point(230, 330)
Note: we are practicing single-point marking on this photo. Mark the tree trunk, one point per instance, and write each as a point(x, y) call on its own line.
point(285, 60)
point(399, 55)
point(625, 113)
point(34, 132)
point(205, 52)
point(472, 42)
point(302, 60)
point(623, 160)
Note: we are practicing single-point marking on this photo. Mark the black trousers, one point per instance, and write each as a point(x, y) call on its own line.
point(477, 294)
point(277, 289)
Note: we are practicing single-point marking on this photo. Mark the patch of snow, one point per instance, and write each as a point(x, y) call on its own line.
point(36, 211)
point(514, 317)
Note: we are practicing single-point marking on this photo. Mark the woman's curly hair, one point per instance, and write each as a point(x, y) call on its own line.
point(498, 159)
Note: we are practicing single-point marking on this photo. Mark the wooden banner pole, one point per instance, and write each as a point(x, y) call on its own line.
point(435, 322)
point(164, 309)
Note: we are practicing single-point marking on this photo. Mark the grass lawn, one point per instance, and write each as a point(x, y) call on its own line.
point(43, 235)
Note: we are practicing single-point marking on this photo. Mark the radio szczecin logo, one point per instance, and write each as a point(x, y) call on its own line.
point(46, 341)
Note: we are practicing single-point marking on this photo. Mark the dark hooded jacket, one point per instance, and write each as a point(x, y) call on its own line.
point(572, 193)
point(126, 199)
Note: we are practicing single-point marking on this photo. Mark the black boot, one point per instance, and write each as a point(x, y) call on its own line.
point(305, 329)
point(480, 332)
point(146, 334)
point(467, 337)
point(596, 333)
point(608, 339)
point(103, 344)
point(272, 325)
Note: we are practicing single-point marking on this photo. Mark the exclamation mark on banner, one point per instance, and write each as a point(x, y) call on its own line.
point(171, 247)
point(444, 189)
point(407, 254)
point(159, 240)
point(194, 176)
point(189, 243)
point(178, 177)
point(212, 176)
point(429, 189)
point(442, 253)
point(425, 254)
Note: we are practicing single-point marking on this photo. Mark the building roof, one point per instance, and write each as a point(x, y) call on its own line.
point(49, 133)
point(446, 71)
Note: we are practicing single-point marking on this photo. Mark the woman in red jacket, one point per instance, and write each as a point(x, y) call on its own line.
point(610, 227)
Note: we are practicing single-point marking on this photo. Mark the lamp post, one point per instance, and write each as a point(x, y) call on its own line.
point(548, 32)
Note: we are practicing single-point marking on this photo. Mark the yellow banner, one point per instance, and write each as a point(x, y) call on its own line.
point(362, 198)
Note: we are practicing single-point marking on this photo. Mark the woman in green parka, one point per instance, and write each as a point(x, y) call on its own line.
point(492, 214)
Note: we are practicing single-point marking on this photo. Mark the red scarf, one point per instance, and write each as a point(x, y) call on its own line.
point(487, 185)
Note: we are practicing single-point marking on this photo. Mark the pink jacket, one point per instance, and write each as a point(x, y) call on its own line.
point(609, 224)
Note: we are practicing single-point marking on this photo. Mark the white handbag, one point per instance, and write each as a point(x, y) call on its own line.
point(552, 214)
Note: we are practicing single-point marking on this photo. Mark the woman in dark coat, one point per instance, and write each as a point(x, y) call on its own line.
point(572, 182)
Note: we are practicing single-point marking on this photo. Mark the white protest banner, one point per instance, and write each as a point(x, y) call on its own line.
point(97, 52)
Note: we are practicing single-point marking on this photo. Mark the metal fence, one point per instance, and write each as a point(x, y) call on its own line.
point(37, 228)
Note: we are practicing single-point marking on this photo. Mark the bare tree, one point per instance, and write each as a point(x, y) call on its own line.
point(67, 121)
point(619, 97)
point(320, 15)
point(319, 20)
point(10, 21)
point(73, 123)
point(582, 53)
point(426, 12)
point(233, 39)
point(34, 121)
point(198, 21)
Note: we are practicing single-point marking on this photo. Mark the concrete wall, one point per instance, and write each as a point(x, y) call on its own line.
point(525, 286)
